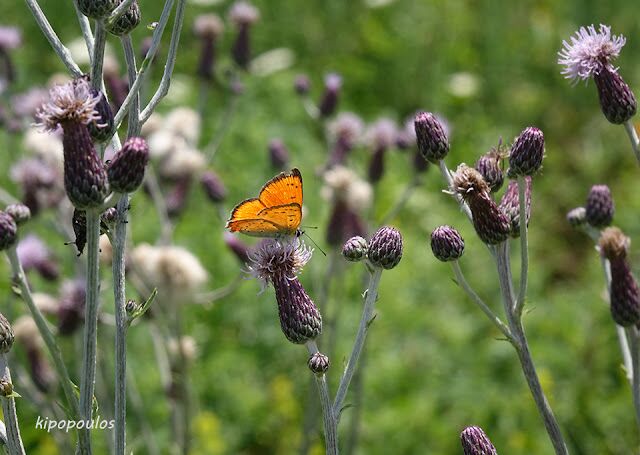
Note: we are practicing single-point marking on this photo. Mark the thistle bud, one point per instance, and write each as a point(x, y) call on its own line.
point(431, 137)
point(97, 9)
point(300, 320)
point(243, 14)
point(525, 157)
point(475, 442)
point(490, 223)
point(213, 187)
point(302, 84)
point(6, 335)
point(510, 205)
point(207, 27)
point(8, 231)
point(489, 167)
point(330, 97)
point(126, 169)
point(385, 248)
point(355, 249)
point(319, 363)
point(624, 291)
point(599, 207)
point(577, 217)
point(127, 22)
point(447, 244)
point(278, 154)
point(19, 212)
point(101, 128)
point(617, 101)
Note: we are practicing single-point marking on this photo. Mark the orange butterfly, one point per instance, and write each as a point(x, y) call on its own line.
point(276, 212)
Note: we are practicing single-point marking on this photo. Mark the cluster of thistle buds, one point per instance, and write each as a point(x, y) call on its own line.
point(102, 10)
point(74, 107)
point(11, 218)
point(384, 249)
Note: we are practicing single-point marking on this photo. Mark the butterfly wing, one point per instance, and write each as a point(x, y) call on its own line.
point(285, 188)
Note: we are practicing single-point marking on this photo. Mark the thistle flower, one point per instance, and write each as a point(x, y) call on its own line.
point(28, 337)
point(490, 223)
point(8, 231)
point(184, 122)
point(182, 163)
point(590, 54)
point(431, 136)
point(243, 14)
point(213, 187)
point(381, 135)
point(73, 106)
point(527, 151)
point(71, 306)
point(207, 27)
point(510, 205)
point(475, 442)
point(406, 137)
point(329, 101)
point(10, 38)
point(319, 363)
point(279, 262)
point(345, 131)
point(385, 248)
point(39, 182)
point(355, 249)
point(127, 22)
point(19, 212)
point(126, 169)
point(97, 9)
point(25, 105)
point(34, 255)
point(278, 154)
point(6, 335)
point(577, 216)
point(599, 209)
point(447, 244)
point(489, 167)
point(624, 291)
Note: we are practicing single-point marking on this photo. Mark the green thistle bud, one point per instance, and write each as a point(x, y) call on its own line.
point(447, 244)
point(6, 335)
point(431, 136)
point(127, 22)
point(475, 442)
point(355, 249)
point(97, 9)
point(19, 212)
point(319, 363)
point(526, 153)
point(385, 248)
point(8, 231)
point(126, 169)
point(599, 207)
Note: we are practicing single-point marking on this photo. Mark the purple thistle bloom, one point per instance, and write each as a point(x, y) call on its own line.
point(589, 52)
point(10, 38)
point(330, 97)
point(34, 254)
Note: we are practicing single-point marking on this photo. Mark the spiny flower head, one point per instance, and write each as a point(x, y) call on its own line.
point(489, 166)
point(527, 152)
point(475, 442)
point(447, 244)
point(600, 207)
point(431, 135)
point(385, 248)
point(279, 257)
point(71, 102)
point(589, 52)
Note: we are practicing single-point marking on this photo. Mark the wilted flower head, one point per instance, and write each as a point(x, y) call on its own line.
point(10, 38)
point(589, 52)
point(243, 13)
point(278, 257)
point(71, 102)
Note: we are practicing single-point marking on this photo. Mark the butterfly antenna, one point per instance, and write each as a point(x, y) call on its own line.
point(314, 242)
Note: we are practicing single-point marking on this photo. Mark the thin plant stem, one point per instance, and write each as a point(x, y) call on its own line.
point(14, 441)
point(85, 28)
point(478, 301)
point(119, 11)
point(524, 247)
point(53, 39)
point(633, 137)
point(522, 348)
point(223, 126)
point(99, 42)
point(133, 128)
point(159, 202)
point(634, 338)
point(329, 417)
point(365, 321)
point(43, 327)
point(165, 82)
point(402, 200)
point(88, 377)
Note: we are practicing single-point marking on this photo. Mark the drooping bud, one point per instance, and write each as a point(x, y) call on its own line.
point(525, 157)
point(8, 231)
point(431, 137)
point(624, 291)
point(97, 9)
point(577, 217)
point(617, 101)
point(19, 212)
point(489, 167)
point(475, 442)
point(126, 169)
point(385, 248)
point(300, 320)
point(510, 204)
point(6, 335)
point(319, 363)
point(599, 207)
point(207, 27)
point(490, 223)
point(355, 249)
point(278, 154)
point(213, 187)
point(243, 14)
point(329, 101)
point(127, 22)
point(447, 244)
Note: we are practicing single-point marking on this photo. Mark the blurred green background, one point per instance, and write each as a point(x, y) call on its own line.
point(434, 364)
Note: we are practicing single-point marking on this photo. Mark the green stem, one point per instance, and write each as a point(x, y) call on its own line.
point(14, 441)
point(524, 247)
point(633, 137)
point(328, 414)
point(633, 335)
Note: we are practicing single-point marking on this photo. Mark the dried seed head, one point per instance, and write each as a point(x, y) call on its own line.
point(355, 249)
point(617, 101)
point(475, 442)
point(447, 244)
point(431, 136)
point(613, 243)
point(319, 363)
point(599, 207)
point(468, 182)
point(8, 231)
point(19, 212)
point(300, 320)
point(97, 9)
point(385, 248)
point(127, 22)
point(6, 335)
point(577, 217)
point(213, 187)
point(329, 101)
point(510, 204)
point(278, 154)
point(526, 153)
point(126, 169)
point(489, 166)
